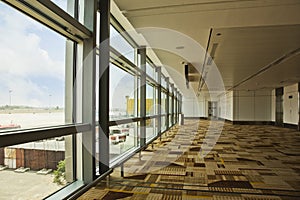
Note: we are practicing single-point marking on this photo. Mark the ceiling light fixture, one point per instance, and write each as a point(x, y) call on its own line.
point(180, 47)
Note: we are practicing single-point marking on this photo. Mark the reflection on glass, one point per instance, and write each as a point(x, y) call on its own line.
point(151, 129)
point(163, 103)
point(150, 104)
point(118, 42)
point(163, 124)
point(170, 105)
point(122, 92)
point(62, 3)
point(163, 82)
point(32, 68)
point(33, 170)
point(122, 138)
point(150, 70)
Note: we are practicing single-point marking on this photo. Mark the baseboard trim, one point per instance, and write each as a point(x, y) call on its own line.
point(248, 122)
point(291, 126)
point(195, 118)
point(253, 123)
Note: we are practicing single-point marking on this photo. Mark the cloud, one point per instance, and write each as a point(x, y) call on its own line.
point(26, 67)
point(21, 54)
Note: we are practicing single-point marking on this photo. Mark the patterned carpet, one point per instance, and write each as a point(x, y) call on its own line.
point(206, 160)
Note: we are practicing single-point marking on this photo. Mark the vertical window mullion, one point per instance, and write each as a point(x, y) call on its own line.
point(142, 52)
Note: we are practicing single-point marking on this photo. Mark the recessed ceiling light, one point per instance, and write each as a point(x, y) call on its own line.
point(180, 47)
point(218, 34)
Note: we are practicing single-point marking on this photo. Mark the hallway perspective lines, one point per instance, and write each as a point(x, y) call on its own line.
point(247, 163)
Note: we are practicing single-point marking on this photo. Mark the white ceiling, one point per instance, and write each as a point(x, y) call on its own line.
point(254, 33)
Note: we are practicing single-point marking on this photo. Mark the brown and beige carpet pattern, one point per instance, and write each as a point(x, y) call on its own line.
point(245, 162)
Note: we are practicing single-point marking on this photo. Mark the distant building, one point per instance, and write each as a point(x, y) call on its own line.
point(151, 107)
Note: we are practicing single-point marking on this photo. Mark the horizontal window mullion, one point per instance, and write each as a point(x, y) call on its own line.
point(117, 56)
point(31, 135)
point(123, 32)
point(124, 121)
point(164, 89)
point(151, 80)
point(131, 120)
point(152, 117)
point(54, 17)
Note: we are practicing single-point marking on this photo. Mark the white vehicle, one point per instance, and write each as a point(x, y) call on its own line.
point(117, 136)
point(125, 131)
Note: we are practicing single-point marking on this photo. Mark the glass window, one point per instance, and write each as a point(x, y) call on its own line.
point(150, 107)
point(150, 70)
point(163, 82)
point(34, 170)
point(163, 124)
point(62, 3)
point(32, 72)
point(122, 138)
point(138, 96)
point(170, 105)
point(97, 90)
point(122, 93)
point(163, 103)
point(151, 129)
point(118, 42)
point(156, 100)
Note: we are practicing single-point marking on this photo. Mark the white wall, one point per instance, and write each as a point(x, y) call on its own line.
point(273, 106)
point(225, 106)
point(252, 105)
point(290, 105)
point(194, 107)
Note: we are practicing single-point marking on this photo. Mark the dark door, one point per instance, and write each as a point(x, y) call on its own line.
point(279, 107)
point(299, 106)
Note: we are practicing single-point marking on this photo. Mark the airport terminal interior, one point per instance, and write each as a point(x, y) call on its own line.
point(150, 99)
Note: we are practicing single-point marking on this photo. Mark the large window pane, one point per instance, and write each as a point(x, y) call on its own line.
point(163, 124)
point(33, 170)
point(163, 103)
point(118, 42)
point(63, 4)
point(32, 69)
point(151, 129)
point(122, 93)
point(122, 138)
point(150, 107)
point(163, 82)
point(170, 105)
point(150, 70)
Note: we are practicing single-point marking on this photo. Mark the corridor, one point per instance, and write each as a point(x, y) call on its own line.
point(246, 162)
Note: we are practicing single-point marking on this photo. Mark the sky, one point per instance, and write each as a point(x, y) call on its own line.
point(121, 82)
point(32, 61)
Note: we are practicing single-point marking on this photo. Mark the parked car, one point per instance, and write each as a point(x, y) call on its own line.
point(117, 135)
point(125, 131)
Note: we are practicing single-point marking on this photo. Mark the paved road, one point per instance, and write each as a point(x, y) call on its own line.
point(25, 186)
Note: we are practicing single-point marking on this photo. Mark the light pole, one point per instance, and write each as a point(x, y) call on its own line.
point(50, 103)
point(127, 99)
point(10, 91)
